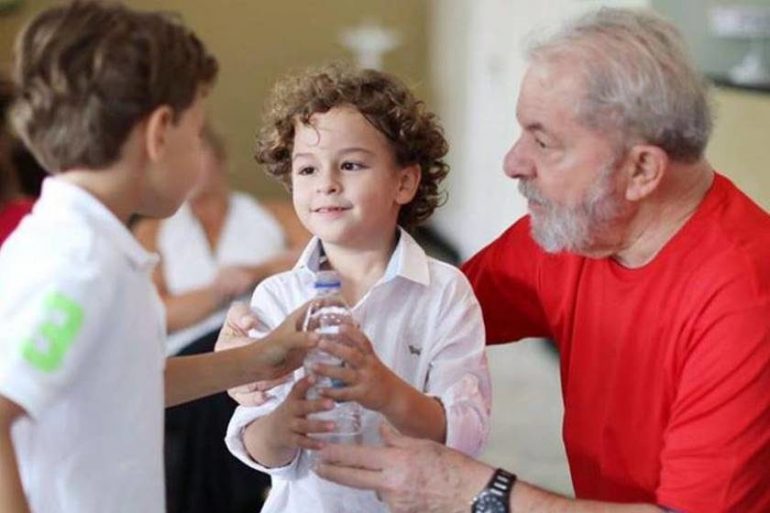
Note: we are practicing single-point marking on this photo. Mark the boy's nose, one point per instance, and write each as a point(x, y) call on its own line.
point(328, 184)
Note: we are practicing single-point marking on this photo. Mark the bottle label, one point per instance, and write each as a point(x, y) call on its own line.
point(328, 330)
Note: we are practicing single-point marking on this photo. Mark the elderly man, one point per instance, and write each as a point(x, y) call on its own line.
point(649, 270)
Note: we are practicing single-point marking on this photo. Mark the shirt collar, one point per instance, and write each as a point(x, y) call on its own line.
point(62, 196)
point(408, 260)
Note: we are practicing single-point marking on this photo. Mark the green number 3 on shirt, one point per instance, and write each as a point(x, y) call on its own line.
point(62, 320)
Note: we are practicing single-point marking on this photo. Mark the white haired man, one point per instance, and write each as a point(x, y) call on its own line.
point(649, 270)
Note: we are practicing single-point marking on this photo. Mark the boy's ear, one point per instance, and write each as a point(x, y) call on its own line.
point(647, 165)
point(409, 181)
point(158, 123)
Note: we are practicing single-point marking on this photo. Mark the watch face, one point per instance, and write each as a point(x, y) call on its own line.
point(488, 503)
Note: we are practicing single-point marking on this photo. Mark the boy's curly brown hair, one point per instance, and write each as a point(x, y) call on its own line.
point(414, 133)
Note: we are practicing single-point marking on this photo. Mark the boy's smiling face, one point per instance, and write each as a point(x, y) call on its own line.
point(347, 187)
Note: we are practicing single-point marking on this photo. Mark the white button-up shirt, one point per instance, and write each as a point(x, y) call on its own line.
point(424, 323)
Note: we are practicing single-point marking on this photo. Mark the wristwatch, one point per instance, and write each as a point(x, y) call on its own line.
point(495, 498)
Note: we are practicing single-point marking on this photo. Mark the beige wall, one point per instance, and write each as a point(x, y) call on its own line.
point(740, 146)
point(257, 41)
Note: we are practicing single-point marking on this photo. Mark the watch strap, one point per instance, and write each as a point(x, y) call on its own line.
point(499, 485)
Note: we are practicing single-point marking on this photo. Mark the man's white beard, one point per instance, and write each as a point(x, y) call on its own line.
point(574, 229)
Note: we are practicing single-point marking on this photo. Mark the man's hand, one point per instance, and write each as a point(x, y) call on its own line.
point(410, 475)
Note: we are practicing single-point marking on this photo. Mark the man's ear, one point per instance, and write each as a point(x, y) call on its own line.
point(156, 136)
point(646, 165)
point(409, 181)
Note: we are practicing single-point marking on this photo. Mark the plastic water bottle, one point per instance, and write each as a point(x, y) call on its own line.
point(325, 315)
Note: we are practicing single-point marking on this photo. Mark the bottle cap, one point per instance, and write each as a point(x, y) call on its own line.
point(327, 280)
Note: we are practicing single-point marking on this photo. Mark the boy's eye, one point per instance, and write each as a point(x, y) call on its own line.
point(352, 166)
point(540, 143)
point(307, 170)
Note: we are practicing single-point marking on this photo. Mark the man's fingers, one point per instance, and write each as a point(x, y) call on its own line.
point(358, 456)
point(354, 477)
point(393, 437)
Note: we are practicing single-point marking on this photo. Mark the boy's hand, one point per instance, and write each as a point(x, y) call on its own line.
point(283, 349)
point(12, 499)
point(368, 381)
point(289, 422)
point(235, 330)
point(240, 320)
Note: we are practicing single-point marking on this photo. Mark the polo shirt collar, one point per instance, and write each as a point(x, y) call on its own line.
point(61, 196)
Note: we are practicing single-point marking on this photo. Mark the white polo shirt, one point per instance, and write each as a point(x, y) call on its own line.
point(82, 351)
point(424, 323)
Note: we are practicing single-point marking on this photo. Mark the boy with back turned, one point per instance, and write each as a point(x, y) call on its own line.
point(111, 102)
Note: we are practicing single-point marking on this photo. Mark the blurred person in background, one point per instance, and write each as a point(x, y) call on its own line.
point(13, 204)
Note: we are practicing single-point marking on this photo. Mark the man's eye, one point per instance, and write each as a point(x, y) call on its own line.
point(540, 143)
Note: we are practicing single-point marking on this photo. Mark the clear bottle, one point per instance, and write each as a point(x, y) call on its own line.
point(325, 315)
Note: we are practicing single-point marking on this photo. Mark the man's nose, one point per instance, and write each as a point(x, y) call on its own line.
point(516, 164)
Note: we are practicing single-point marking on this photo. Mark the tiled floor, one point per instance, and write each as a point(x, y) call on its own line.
point(526, 414)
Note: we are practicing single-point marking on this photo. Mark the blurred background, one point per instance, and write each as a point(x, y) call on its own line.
point(465, 59)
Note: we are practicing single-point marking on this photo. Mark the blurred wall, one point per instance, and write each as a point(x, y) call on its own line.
point(713, 55)
point(258, 41)
point(739, 145)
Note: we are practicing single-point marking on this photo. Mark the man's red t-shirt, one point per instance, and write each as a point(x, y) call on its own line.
point(665, 369)
point(11, 215)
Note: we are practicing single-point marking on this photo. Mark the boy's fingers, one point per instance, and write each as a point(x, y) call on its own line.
point(241, 317)
point(346, 374)
point(300, 340)
point(349, 354)
point(296, 319)
point(355, 337)
point(305, 442)
point(300, 388)
point(309, 426)
point(343, 394)
point(264, 386)
point(249, 398)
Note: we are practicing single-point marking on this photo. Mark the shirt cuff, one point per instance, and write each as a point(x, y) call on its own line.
point(467, 416)
point(242, 417)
